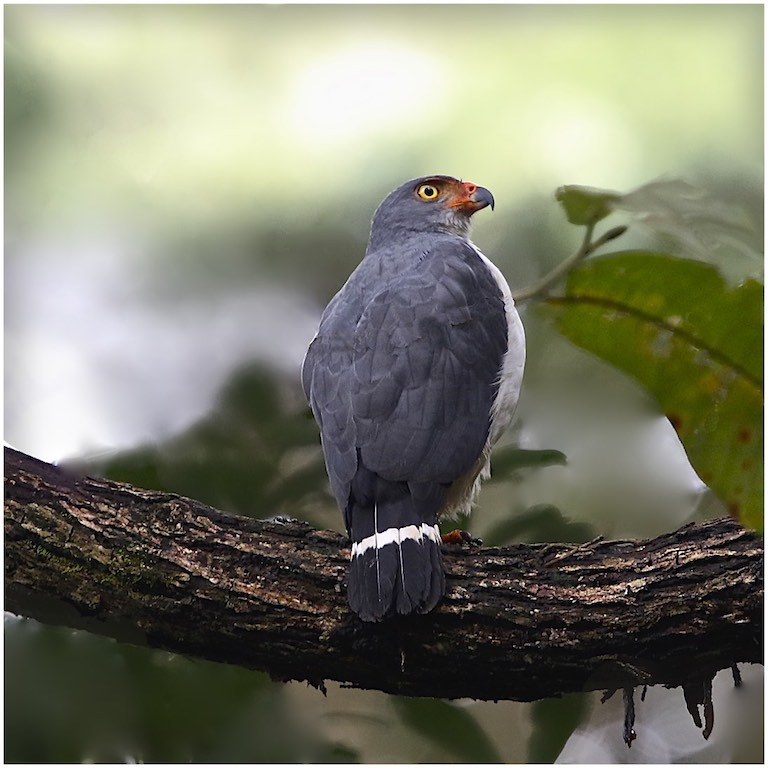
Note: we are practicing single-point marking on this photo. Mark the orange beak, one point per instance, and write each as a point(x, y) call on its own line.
point(470, 198)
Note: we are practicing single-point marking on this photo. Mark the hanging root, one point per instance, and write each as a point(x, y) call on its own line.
point(697, 694)
point(629, 716)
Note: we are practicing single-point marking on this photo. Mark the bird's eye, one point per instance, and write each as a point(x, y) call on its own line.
point(428, 192)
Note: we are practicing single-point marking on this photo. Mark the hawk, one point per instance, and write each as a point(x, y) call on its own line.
point(413, 375)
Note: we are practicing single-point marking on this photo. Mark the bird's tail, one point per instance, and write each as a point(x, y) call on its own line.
point(397, 566)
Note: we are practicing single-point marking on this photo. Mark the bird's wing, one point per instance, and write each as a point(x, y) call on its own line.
point(427, 358)
point(326, 378)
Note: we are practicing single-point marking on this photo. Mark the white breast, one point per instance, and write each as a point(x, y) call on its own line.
point(511, 373)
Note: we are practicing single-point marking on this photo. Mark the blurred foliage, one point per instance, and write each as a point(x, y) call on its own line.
point(697, 346)
point(538, 523)
point(510, 458)
point(541, 523)
point(109, 702)
point(695, 222)
point(169, 166)
point(268, 253)
point(182, 120)
point(553, 722)
point(253, 455)
point(449, 727)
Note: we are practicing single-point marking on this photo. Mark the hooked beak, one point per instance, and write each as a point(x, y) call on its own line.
point(470, 198)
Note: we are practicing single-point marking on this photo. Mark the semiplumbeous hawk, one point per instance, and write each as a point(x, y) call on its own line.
point(413, 375)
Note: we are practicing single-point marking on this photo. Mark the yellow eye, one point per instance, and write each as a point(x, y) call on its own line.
point(428, 192)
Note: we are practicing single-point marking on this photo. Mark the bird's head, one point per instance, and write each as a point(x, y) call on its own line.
point(428, 204)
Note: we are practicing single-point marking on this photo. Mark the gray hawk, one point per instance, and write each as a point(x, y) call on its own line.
point(413, 375)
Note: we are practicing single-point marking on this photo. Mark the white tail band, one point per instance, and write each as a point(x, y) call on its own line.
point(396, 536)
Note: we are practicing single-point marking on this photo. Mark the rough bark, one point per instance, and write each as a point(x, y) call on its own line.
point(520, 622)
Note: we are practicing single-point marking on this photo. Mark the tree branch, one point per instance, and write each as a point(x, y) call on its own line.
point(520, 622)
point(587, 248)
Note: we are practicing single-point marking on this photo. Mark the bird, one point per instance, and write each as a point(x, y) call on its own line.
point(414, 373)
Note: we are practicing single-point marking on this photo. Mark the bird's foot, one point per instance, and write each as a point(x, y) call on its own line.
point(461, 538)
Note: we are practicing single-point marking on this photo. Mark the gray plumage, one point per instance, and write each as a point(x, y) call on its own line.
point(402, 377)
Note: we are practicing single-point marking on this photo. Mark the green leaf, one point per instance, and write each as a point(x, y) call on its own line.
point(698, 224)
point(695, 344)
point(586, 205)
point(447, 726)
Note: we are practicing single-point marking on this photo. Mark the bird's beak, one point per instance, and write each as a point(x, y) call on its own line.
point(470, 198)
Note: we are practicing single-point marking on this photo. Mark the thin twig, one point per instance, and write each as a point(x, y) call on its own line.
point(587, 247)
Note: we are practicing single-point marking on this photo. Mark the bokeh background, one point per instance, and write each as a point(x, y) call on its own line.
point(185, 189)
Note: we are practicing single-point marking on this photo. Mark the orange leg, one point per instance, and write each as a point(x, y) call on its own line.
point(462, 538)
